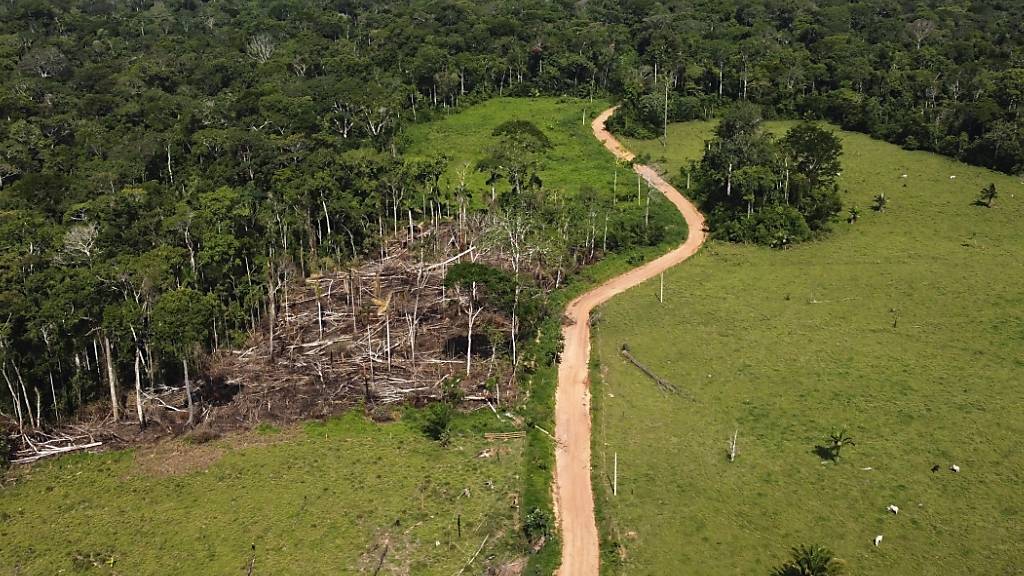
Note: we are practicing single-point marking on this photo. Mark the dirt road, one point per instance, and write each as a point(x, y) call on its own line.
point(574, 499)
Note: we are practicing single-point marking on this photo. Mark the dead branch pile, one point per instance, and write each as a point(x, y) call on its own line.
point(383, 332)
point(38, 445)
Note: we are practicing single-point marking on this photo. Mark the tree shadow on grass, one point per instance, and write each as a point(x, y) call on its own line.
point(824, 452)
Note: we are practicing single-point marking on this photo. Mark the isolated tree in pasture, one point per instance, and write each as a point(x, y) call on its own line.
point(987, 195)
point(838, 440)
point(880, 202)
point(810, 561)
point(182, 321)
point(854, 214)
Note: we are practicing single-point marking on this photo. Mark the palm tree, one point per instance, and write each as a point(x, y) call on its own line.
point(854, 214)
point(880, 202)
point(838, 440)
point(810, 561)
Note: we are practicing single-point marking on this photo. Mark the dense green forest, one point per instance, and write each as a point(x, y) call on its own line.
point(166, 165)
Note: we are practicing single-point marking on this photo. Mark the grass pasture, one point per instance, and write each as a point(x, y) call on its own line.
point(323, 498)
point(787, 346)
point(575, 160)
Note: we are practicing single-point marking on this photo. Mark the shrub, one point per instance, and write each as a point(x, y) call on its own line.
point(438, 423)
point(536, 525)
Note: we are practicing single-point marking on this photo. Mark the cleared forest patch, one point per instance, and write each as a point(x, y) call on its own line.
point(904, 327)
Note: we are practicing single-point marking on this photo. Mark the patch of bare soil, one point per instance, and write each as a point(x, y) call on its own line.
point(513, 568)
point(388, 553)
point(198, 451)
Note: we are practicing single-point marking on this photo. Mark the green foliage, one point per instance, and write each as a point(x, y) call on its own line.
point(437, 424)
point(854, 214)
point(536, 525)
point(810, 561)
point(765, 192)
point(183, 320)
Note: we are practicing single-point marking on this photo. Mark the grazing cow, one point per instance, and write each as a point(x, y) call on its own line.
point(893, 508)
point(878, 540)
point(952, 177)
point(935, 468)
point(954, 468)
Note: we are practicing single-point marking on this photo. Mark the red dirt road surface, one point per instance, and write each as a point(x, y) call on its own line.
point(574, 498)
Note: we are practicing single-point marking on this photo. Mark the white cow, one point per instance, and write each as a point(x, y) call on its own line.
point(954, 468)
point(893, 508)
point(878, 540)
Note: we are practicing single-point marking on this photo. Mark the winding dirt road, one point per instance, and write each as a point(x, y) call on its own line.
point(574, 499)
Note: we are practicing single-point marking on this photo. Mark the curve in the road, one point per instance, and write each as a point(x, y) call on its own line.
point(574, 499)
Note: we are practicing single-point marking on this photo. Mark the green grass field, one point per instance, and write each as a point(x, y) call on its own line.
point(575, 160)
point(318, 499)
point(787, 346)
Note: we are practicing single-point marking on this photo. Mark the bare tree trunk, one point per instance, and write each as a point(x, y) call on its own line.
point(138, 388)
point(271, 305)
point(111, 378)
point(469, 338)
point(14, 398)
point(664, 142)
point(25, 398)
point(387, 336)
point(53, 396)
point(188, 394)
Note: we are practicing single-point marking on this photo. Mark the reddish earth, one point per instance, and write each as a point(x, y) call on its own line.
point(574, 498)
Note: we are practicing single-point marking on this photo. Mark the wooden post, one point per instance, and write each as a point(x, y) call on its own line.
point(661, 292)
point(615, 476)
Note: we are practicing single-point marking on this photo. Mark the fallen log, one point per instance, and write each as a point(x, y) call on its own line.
point(665, 385)
point(53, 452)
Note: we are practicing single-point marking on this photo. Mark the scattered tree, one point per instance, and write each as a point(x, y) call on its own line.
point(987, 195)
point(880, 202)
point(837, 440)
point(810, 561)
